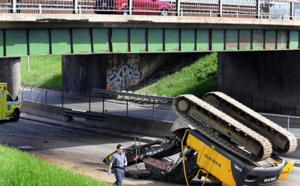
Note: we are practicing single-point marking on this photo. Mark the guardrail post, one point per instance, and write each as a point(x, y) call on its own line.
point(103, 103)
point(130, 7)
point(14, 6)
point(153, 112)
point(257, 8)
point(291, 10)
point(79, 9)
point(31, 95)
point(178, 7)
point(288, 124)
point(75, 6)
point(127, 107)
point(90, 100)
point(62, 100)
point(46, 98)
point(22, 97)
point(40, 10)
point(220, 8)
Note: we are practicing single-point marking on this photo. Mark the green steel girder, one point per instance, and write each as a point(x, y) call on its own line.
point(25, 42)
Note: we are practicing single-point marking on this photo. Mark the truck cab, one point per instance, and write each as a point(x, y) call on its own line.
point(9, 108)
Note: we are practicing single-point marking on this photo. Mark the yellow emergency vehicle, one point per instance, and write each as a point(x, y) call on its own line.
point(9, 108)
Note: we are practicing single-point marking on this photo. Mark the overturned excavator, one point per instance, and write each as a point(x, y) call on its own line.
point(220, 139)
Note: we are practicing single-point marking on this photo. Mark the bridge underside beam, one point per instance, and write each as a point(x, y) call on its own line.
point(23, 42)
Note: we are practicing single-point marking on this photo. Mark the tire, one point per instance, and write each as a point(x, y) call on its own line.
point(125, 11)
point(16, 116)
point(164, 12)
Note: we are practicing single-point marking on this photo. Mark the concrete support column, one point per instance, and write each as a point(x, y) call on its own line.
point(266, 82)
point(10, 73)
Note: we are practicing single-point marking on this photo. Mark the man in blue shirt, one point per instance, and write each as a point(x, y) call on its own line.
point(120, 161)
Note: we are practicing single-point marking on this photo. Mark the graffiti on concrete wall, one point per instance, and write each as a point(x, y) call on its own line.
point(122, 77)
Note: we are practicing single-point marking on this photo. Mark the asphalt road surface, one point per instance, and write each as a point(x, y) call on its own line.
point(82, 151)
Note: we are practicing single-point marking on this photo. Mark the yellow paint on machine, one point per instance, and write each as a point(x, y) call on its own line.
point(286, 170)
point(110, 156)
point(212, 161)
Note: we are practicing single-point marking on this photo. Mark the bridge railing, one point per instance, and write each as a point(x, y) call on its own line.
point(275, 9)
point(5, 6)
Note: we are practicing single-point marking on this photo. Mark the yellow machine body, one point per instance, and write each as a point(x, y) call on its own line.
point(232, 170)
point(286, 170)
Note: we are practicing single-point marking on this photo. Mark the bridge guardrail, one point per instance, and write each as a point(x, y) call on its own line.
point(94, 103)
point(128, 94)
point(275, 9)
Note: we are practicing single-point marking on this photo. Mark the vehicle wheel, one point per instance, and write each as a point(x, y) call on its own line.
point(164, 12)
point(125, 11)
point(16, 116)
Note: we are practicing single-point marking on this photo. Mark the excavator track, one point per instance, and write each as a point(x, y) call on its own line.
point(208, 120)
point(283, 141)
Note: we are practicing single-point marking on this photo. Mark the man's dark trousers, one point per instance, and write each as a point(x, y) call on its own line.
point(119, 173)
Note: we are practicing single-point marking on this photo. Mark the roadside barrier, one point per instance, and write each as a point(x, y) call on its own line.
point(43, 110)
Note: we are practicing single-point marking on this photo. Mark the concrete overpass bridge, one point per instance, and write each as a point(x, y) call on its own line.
point(251, 51)
point(50, 34)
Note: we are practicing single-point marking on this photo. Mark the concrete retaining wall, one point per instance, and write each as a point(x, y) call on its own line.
point(43, 110)
point(133, 125)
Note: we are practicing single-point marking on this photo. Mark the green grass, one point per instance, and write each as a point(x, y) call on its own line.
point(18, 168)
point(45, 72)
point(198, 78)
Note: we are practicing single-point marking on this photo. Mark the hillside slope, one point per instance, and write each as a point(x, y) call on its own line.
point(45, 72)
point(183, 77)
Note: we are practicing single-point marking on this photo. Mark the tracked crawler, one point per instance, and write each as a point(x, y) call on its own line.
point(222, 129)
point(283, 141)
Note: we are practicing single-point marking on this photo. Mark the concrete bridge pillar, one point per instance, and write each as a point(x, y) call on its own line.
point(10, 73)
point(264, 81)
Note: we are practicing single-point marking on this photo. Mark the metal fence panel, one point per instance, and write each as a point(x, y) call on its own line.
point(238, 8)
point(5, 6)
point(199, 8)
point(45, 6)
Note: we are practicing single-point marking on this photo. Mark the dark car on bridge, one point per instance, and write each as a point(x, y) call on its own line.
point(144, 7)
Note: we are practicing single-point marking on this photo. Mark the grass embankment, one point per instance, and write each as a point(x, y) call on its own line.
point(197, 78)
point(18, 168)
point(45, 72)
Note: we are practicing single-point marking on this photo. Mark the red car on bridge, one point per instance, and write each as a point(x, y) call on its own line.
point(144, 7)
